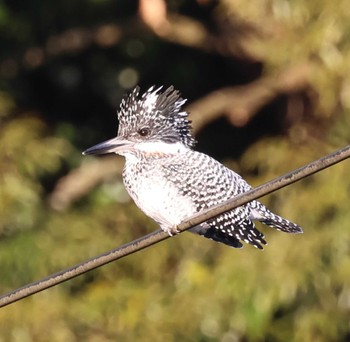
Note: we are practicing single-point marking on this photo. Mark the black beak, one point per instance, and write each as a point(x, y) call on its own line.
point(114, 145)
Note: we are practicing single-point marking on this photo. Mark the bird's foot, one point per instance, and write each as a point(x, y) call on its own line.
point(173, 230)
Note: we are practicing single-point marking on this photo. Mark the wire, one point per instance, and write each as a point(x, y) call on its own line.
point(159, 235)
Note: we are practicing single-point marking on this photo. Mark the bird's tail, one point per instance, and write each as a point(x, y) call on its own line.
point(260, 213)
point(280, 223)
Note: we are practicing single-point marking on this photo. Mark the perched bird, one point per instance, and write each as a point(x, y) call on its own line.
point(169, 181)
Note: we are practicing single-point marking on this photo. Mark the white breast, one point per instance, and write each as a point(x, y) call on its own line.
point(161, 201)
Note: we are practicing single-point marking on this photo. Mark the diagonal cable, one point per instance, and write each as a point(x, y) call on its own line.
point(157, 236)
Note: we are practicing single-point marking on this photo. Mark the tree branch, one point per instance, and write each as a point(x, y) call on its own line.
point(186, 31)
point(78, 182)
point(241, 103)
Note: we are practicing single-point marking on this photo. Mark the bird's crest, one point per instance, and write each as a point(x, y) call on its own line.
point(159, 111)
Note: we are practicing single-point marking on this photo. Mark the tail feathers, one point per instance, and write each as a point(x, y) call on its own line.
point(281, 224)
point(229, 230)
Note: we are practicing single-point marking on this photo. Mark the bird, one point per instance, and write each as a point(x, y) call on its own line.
point(170, 181)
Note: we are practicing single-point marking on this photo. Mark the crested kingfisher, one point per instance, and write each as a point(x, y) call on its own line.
point(170, 181)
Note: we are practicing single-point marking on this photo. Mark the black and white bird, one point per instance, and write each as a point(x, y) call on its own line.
point(169, 181)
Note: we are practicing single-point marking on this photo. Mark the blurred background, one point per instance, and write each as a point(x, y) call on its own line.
point(268, 83)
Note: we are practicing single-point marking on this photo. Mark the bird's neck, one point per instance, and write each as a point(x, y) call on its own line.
point(155, 150)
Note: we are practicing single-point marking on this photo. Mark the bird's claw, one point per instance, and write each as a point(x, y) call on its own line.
point(173, 231)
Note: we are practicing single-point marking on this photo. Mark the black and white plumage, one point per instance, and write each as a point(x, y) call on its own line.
point(170, 181)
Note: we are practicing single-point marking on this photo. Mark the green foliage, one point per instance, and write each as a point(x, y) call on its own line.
point(25, 157)
point(186, 288)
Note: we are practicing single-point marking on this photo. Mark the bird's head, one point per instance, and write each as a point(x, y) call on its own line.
point(152, 122)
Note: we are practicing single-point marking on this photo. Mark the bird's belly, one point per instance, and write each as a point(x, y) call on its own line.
point(162, 202)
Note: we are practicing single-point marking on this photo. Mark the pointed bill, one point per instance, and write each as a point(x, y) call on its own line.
point(115, 145)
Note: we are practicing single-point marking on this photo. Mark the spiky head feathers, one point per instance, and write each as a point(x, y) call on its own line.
point(155, 116)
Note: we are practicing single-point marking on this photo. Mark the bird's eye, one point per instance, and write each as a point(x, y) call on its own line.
point(143, 131)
